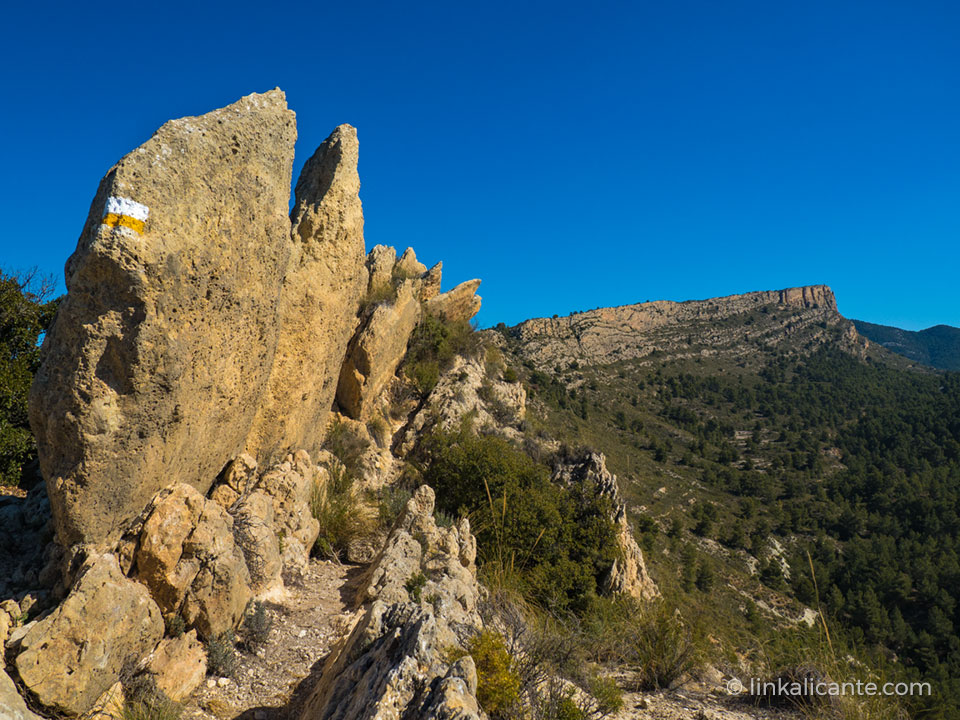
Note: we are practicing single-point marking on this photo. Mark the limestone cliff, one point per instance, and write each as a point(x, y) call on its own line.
point(697, 327)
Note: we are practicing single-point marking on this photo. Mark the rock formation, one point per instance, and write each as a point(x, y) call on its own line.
point(321, 294)
point(68, 659)
point(12, 705)
point(686, 329)
point(457, 305)
point(628, 575)
point(377, 350)
point(422, 593)
point(167, 332)
point(497, 406)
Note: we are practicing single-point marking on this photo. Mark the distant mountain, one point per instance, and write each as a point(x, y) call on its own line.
point(938, 346)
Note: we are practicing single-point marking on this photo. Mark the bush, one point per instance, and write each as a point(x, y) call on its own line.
point(221, 655)
point(510, 375)
point(347, 445)
point(433, 346)
point(25, 314)
point(391, 503)
point(498, 683)
point(664, 648)
point(256, 626)
point(554, 544)
point(339, 512)
point(415, 585)
point(143, 700)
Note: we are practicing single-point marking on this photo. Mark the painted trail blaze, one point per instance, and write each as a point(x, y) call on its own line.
point(123, 212)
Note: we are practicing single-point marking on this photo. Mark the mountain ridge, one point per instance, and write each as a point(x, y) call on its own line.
point(937, 346)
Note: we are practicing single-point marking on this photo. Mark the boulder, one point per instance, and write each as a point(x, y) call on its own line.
point(422, 596)
point(161, 350)
point(457, 305)
point(12, 706)
point(324, 285)
point(179, 665)
point(189, 560)
point(255, 534)
point(376, 352)
point(68, 659)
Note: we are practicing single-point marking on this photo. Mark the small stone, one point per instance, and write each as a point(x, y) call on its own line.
point(223, 682)
point(302, 633)
point(211, 683)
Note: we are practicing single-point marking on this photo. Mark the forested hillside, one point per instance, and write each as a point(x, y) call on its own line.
point(754, 470)
point(938, 346)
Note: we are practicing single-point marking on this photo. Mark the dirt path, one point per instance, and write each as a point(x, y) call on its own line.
point(306, 623)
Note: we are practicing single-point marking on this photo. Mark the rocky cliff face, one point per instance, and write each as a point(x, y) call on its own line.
point(697, 327)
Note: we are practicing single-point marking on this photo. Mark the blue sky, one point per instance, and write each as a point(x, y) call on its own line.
point(571, 155)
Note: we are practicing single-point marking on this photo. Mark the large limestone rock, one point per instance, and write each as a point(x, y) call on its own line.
point(459, 304)
point(178, 665)
point(321, 295)
point(160, 353)
point(189, 560)
point(392, 664)
point(12, 706)
point(68, 659)
point(628, 574)
point(376, 352)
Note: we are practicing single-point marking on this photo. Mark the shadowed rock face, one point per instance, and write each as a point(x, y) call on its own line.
point(161, 351)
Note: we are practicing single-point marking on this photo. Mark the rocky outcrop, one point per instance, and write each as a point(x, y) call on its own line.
point(322, 290)
point(801, 317)
point(161, 350)
point(178, 665)
point(457, 305)
point(431, 282)
point(408, 266)
point(190, 562)
point(376, 352)
point(628, 574)
point(12, 705)
point(68, 659)
point(422, 593)
point(496, 405)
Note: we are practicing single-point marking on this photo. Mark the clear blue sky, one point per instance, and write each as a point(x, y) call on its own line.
point(571, 155)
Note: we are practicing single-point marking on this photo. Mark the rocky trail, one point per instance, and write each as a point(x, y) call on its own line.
point(311, 616)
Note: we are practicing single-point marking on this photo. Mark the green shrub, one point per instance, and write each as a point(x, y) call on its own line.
point(510, 375)
point(142, 699)
point(347, 445)
point(175, 626)
point(385, 292)
point(498, 684)
point(221, 655)
point(256, 626)
point(391, 504)
point(415, 585)
point(339, 511)
point(25, 314)
point(554, 544)
point(433, 346)
point(664, 648)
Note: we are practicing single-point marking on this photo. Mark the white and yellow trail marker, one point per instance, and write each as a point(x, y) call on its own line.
point(125, 213)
